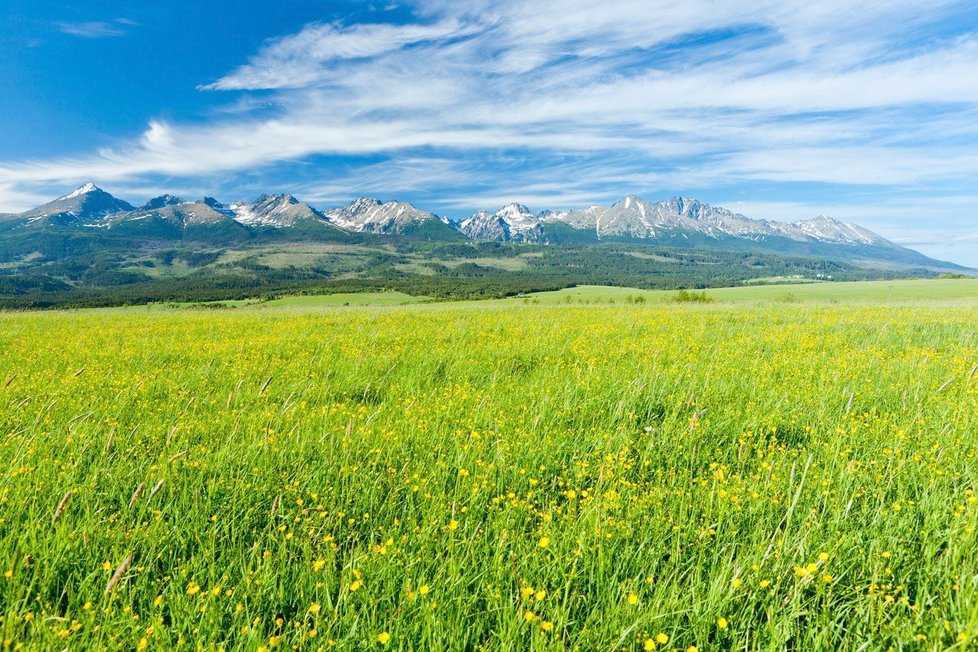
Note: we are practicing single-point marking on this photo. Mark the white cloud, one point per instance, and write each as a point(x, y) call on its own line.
point(94, 29)
point(301, 59)
point(16, 200)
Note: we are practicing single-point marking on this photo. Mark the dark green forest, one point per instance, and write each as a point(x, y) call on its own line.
point(74, 270)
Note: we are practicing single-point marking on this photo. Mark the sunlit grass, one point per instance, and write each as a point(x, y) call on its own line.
point(628, 477)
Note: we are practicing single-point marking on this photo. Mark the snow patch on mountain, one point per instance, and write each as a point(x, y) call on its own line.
point(87, 203)
point(277, 211)
point(827, 229)
point(511, 222)
point(81, 190)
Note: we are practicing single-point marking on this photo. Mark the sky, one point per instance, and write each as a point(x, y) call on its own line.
point(778, 109)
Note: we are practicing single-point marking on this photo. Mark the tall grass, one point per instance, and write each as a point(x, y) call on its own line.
point(608, 478)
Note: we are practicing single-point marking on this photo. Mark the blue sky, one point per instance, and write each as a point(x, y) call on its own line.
point(780, 109)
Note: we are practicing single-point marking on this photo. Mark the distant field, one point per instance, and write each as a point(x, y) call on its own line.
point(290, 301)
point(350, 299)
point(924, 290)
point(912, 291)
point(750, 476)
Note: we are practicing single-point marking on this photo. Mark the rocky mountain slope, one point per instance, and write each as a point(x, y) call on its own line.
point(84, 205)
point(279, 211)
point(512, 222)
point(365, 215)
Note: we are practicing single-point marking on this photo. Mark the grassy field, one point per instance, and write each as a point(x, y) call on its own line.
point(347, 299)
point(929, 291)
point(492, 476)
point(919, 291)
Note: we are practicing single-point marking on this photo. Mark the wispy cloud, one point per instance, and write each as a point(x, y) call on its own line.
point(302, 59)
point(93, 29)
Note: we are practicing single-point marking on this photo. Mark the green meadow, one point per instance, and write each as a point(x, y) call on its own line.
point(781, 467)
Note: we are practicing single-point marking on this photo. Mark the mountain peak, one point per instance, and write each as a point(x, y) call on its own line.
point(281, 198)
point(516, 214)
point(161, 201)
point(514, 221)
point(361, 203)
point(87, 203)
point(371, 215)
point(688, 204)
point(217, 206)
point(279, 210)
point(627, 202)
point(81, 190)
point(213, 203)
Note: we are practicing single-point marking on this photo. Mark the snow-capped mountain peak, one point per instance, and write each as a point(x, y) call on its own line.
point(513, 221)
point(274, 210)
point(518, 216)
point(636, 218)
point(85, 204)
point(514, 209)
point(631, 200)
point(367, 215)
point(80, 190)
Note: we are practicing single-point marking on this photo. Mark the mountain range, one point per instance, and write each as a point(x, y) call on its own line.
point(678, 222)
